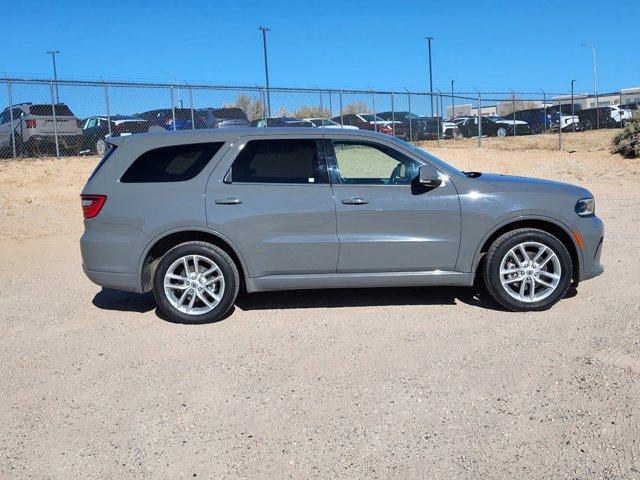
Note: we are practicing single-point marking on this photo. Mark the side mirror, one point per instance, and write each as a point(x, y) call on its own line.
point(428, 176)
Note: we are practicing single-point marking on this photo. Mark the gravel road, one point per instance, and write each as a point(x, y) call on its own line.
point(435, 383)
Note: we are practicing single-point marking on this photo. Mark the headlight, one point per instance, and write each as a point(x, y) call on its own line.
point(586, 207)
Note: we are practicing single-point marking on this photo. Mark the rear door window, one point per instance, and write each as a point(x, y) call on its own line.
point(278, 161)
point(176, 163)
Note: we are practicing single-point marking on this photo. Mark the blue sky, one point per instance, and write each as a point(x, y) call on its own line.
point(488, 45)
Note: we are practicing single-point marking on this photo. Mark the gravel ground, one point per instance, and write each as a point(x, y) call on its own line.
point(397, 383)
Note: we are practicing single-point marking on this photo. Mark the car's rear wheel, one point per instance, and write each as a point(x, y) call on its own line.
point(527, 270)
point(587, 125)
point(537, 129)
point(195, 282)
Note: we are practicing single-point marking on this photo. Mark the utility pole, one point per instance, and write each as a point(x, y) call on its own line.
point(53, 54)
point(595, 82)
point(266, 66)
point(428, 39)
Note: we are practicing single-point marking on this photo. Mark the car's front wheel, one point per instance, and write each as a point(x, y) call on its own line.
point(195, 282)
point(502, 132)
point(527, 270)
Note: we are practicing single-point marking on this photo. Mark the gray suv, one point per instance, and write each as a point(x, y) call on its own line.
point(195, 215)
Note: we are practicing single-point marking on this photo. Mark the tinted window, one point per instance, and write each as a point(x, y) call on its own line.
point(47, 110)
point(230, 114)
point(277, 161)
point(372, 164)
point(171, 164)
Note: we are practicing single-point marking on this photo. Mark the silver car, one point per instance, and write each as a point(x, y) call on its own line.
point(35, 127)
point(193, 215)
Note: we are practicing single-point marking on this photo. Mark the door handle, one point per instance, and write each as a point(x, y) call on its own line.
point(355, 201)
point(228, 201)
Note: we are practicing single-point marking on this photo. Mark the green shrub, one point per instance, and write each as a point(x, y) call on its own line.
point(627, 142)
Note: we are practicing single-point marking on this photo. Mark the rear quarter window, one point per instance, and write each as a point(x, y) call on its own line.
point(176, 163)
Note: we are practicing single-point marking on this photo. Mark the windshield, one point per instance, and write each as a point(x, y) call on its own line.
point(369, 118)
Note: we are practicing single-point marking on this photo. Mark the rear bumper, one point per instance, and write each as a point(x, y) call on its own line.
point(63, 140)
point(130, 282)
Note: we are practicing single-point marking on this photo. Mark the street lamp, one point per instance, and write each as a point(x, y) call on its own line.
point(428, 39)
point(453, 102)
point(595, 82)
point(266, 66)
point(177, 86)
point(573, 112)
point(55, 71)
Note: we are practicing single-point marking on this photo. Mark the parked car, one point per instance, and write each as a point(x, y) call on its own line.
point(450, 129)
point(228, 117)
point(521, 127)
point(492, 126)
point(414, 127)
point(35, 127)
point(290, 122)
point(365, 121)
point(96, 130)
point(280, 210)
point(164, 118)
point(539, 119)
point(326, 123)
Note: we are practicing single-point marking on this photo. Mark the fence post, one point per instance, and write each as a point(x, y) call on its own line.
point(263, 93)
point(321, 105)
point(513, 110)
point(107, 109)
point(373, 99)
point(410, 123)
point(393, 116)
point(193, 120)
point(438, 121)
point(173, 108)
point(13, 132)
point(544, 105)
point(620, 107)
point(330, 106)
point(479, 120)
point(55, 120)
point(341, 114)
point(560, 126)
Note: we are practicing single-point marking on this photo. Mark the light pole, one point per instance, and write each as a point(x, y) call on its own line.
point(453, 102)
point(595, 82)
point(266, 66)
point(177, 86)
point(573, 112)
point(428, 39)
point(55, 71)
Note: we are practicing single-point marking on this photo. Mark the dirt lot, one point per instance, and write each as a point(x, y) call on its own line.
point(402, 383)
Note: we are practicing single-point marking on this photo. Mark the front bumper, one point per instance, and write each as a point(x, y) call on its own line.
point(591, 230)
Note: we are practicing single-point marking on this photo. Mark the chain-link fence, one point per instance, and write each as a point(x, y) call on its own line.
point(65, 117)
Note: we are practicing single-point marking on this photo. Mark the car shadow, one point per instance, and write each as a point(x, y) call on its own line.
point(476, 296)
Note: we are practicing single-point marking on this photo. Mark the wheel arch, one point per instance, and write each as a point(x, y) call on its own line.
point(167, 240)
point(549, 225)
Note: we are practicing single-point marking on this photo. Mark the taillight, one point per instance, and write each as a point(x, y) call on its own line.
point(92, 204)
point(31, 123)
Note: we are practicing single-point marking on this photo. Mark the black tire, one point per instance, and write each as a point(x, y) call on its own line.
point(587, 125)
point(503, 129)
point(229, 272)
point(499, 249)
point(537, 129)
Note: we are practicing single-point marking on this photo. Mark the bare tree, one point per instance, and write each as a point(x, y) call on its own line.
point(253, 107)
point(307, 111)
point(356, 107)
